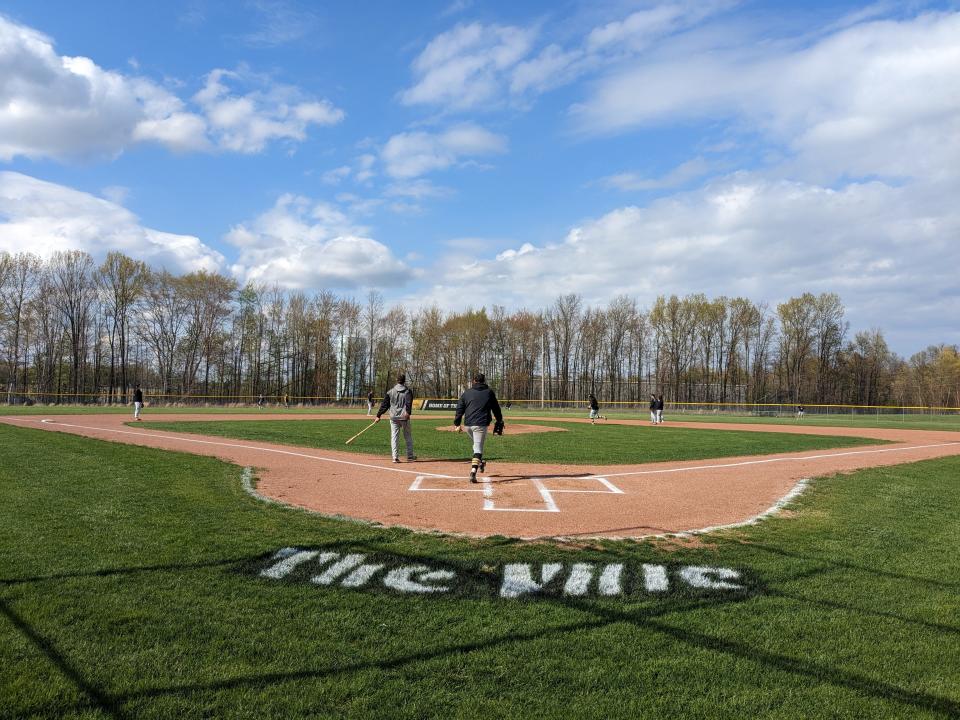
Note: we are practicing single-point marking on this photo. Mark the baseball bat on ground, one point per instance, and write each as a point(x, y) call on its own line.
point(360, 433)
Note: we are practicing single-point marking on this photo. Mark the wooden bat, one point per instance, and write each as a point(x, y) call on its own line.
point(360, 433)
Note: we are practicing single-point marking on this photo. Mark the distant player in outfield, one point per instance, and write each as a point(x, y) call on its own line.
point(594, 409)
point(399, 401)
point(799, 411)
point(475, 408)
point(137, 402)
point(659, 409)
point(653, 409)
point(370, 403)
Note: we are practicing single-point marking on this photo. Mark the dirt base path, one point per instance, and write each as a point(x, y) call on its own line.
point(524, 500)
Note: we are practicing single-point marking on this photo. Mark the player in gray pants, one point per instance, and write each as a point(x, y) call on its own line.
point(399, 401)
point(475, 408)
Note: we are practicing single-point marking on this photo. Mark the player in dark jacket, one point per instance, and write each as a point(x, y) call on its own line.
point(594, 409)
point(137, 402)
point(474, 409)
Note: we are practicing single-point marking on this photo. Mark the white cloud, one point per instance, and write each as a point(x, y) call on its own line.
point(43, 218)
point(477, 66)
point(680, 175)
point(417, 189)
point(409, 155)
point(337, 175)
point(304, 244)
point(278, 23)
point(61, 107)
point(877, 98)
point(888, 250)
point(246, 123)
point(465, 67)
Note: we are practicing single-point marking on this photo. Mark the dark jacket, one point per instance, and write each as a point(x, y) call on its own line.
point(594, 405)
point(138, 396)
point(476, 405)
point(399, 401)
point(653, 402)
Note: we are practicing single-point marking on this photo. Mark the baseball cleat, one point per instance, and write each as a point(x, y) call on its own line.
point(396, 460)
point(411, 457)
point(473, 476)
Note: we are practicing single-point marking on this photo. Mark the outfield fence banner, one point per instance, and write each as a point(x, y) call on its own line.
point(432, 404)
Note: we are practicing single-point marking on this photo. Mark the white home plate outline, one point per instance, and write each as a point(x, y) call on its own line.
point(545, 492)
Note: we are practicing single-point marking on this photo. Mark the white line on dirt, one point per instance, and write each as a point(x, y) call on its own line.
point(169, 436)
point(763, 461)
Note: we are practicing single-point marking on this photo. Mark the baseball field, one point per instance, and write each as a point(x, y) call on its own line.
point(225, 564)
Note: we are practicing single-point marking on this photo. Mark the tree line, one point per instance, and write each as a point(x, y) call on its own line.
point(74, 330)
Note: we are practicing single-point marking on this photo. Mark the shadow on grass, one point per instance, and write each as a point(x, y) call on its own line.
point(97, 698)
point(649, 618)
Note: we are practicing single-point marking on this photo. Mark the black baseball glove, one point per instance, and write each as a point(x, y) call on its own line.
point(498, 427)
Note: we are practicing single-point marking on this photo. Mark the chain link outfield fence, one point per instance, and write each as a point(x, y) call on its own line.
point(697, 409)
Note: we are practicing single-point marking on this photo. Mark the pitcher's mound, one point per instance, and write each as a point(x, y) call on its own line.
point(513, 429)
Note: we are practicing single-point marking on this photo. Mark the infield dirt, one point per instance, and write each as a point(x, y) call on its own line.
point(525, 500)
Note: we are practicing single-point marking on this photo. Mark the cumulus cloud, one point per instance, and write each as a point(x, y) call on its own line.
point(305, 244)
point(246, 123)
point(888, 250)
point(60, 107)
point(409, 155)
point(43, 218)
point(876, 98)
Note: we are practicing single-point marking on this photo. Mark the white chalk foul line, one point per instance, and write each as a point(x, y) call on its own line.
point(764, 461)
point(171, 436)
point(545, 493)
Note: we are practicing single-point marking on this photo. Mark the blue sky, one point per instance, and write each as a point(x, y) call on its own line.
point(471, 153)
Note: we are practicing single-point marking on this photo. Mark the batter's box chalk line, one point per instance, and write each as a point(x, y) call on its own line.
point(549, 502)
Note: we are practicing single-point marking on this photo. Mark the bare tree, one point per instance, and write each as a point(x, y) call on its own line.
point(72, 274)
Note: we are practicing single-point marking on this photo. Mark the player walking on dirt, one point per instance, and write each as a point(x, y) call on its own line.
point(594, 409)
point(475, 408)
point(399, 401)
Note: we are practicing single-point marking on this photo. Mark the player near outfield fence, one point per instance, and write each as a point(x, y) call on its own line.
point(594, 409)
point(475, 408)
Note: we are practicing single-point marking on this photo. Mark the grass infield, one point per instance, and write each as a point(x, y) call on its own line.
point(579, 443)
point(128, 589)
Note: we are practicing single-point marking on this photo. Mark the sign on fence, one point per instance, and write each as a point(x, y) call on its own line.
point(448, 405)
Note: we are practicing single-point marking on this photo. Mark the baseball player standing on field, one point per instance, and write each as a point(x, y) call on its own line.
point(137, 402)
point(399, 401)
point(594, 409)
point(474, 408)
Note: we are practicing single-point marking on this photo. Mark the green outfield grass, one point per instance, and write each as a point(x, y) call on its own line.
point(891, 420)
point(579, 443)
point(865, 420)
point(128, 589)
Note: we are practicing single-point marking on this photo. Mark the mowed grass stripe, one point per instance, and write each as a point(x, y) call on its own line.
point(124, 593)
point(579, 444)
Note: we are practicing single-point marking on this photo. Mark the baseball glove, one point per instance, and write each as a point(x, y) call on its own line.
point(498, 427)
